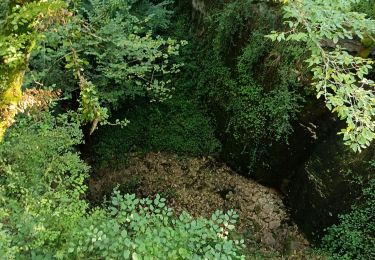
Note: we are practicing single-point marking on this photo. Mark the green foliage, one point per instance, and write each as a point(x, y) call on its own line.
point(228, 23)
point(158, 13)
point(180, 124)
point(353, 237)
point(41, 186)
point(21, 24)
point(145, 228)
point(177, 125)
point(366, 7)
point(50, 148)
point(257, 116)
point(247, 82)
point(351, 102)
point(338, 76)
point(43, 215)
point(111, 48)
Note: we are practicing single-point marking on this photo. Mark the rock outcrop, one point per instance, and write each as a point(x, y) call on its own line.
point(201, 186)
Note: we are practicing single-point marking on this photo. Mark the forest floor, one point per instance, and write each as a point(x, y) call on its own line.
point(202, 185)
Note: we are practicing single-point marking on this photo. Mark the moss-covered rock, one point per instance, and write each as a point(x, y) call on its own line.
point(9, 100)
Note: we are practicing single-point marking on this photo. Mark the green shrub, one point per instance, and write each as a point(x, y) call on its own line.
point(257, 116)
point(180, 124)
point(41, 182)
point(106, 54)
point(354, 236)
point(146, 228)
point(176, 125)
point(366, 7)
point(43, 215)
point(249, 85)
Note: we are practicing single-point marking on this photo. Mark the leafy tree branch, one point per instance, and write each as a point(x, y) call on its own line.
point(338, 76)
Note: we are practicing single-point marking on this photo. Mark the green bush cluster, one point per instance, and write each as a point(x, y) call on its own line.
point(366, 7)
point(106, 54)
point(177, 125)
point(180, 124)
point(354, 236)
point(126, 51)
point(41, 182)
point(43, 215)
point(247, 82)
point(257, 116)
